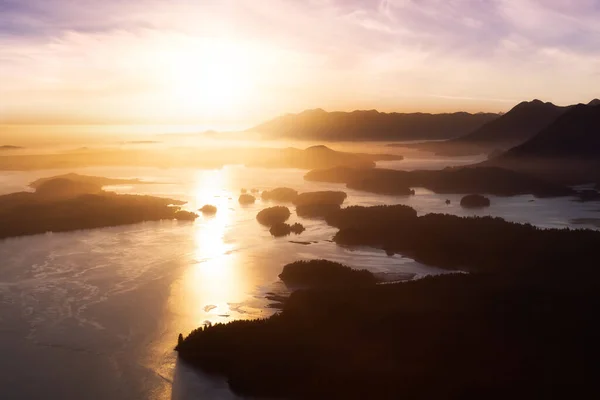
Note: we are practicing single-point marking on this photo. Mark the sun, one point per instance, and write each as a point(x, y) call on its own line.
point(208, 77)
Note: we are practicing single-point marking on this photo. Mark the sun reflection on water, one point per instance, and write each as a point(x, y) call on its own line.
point(216, 280)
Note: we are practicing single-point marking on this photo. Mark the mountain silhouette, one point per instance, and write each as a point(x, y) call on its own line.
point(371, 125)
point(575, 135)
point(568, 149)
point(517, 126)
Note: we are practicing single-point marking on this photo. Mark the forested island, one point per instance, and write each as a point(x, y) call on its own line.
point(208, 209)
point(482, 180)
point(273, 215)
point(99, 181)
point(282, 229)
point(520, 324)
point(324, 274)
point(474, 244)
point(280, 194)
point(62, 204)
point(288, 195)
point(474, 201)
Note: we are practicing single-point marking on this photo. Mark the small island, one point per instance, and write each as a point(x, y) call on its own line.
point(273, 215)
point(282, 229)
point(246, 199)
point(93, 180)
point(324, 273)
point(280, 194)
point(474, 201)
point(208, 209)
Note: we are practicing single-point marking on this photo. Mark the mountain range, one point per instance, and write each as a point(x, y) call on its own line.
point(448, 134)
point(518, 125)
point(515, 127)
point(371, 125)
point(567, 150)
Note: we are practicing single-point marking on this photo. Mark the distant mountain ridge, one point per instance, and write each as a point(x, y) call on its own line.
point(567, 150)
point(511, 129)
point(371, 125)
point(595, 102)
point(576, 134)
point(518, 125)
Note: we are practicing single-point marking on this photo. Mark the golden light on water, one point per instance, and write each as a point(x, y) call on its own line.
point(216, 279)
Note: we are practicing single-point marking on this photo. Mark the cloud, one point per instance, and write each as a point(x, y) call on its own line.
point(338, 54)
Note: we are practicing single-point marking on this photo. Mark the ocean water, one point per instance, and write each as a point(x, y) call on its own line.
point(95, 314)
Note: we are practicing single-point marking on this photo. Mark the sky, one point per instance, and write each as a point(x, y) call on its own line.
point(239, 62)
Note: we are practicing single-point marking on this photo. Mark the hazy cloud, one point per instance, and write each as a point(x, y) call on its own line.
point(390, 54)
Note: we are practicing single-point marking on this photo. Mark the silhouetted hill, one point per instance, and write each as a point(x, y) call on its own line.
point(93, 180)
point(574, 135)
point(517, 126)
point(324, 273)
point(371, 125)
point(567, 150)
point(595, 102)
point(61, 205)
point(61, 188)
point(314, 157)
point(482, 180)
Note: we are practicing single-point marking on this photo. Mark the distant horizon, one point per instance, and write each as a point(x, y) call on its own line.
point(224, 127)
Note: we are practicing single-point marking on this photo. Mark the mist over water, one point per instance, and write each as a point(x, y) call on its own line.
point(95, 314)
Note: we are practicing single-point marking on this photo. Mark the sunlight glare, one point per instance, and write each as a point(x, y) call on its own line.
point(209, 76)
point(214, 280)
